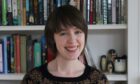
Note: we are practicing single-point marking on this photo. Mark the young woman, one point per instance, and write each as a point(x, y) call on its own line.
point(66, 33)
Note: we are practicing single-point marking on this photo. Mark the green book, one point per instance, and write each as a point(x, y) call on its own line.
point(37, 54)
point(4, 12)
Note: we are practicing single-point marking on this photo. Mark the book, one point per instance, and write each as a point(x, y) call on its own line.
point(9, 13)
point(23, 54)
point(37, 54)
point(0, 12)
point(43, 49)
point(15, 12)
point(40, 12)
point(1, 57)
point(30, 60)
point(5, 54)
point(4, 12)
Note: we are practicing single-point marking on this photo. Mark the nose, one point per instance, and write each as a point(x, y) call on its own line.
point(72, 38)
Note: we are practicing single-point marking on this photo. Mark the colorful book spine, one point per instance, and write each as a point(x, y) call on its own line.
point(18, 61)
point(1, 57)
point(23, 53)
point(30, 60)
point(12, 60)
point(9, 13)
point(4, 12)
point(113, 11)
point(45, 10)
point(5, 55)
point(15, 12)
point(109, 12)
point(35, 10)
point(99, 14)
point(27, 11)
point(43, 49)
point(19, 12)
point(104, 10)
point(40, 12)
point(31, 13)
point(37, 54)
point(8, 54)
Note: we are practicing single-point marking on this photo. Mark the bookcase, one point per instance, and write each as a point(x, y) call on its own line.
point(123, 37)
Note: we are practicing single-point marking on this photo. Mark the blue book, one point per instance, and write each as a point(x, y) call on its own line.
point(5, 54)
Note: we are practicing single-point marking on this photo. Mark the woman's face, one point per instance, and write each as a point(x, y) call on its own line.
point(69, 42)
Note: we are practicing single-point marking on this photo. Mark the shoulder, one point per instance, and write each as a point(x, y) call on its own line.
point(34, 75)
point(96, 75)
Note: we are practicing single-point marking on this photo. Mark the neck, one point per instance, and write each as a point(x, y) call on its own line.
point(68, 65)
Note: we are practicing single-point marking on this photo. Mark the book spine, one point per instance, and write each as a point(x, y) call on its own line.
point(15, 12)
point(18, 64)
point(23, 53)
point(8, 54)
point(0, 12)
point(5, 55)
point(27, 11)
point(109, 12)
point(31, 13)
point(104, 10)
point(37, 54)
point(43, 49)
point(35, 10)
point(24, 15)
point(45, 10)
point(29, 51)
point(9, 13)
point(12, 55)
point(19, 12)
point(1, 57)
point(40, 12)
point(4, 12)
point(113, 11)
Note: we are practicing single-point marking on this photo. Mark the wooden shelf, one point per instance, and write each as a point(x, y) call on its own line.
point(41, 27)
point(111, 77)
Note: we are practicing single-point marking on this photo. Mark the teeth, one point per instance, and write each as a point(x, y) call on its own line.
point(71, 48)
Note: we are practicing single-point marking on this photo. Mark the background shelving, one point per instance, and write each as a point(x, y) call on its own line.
point(41, 28)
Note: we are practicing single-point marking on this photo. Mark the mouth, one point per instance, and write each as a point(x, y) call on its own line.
point(72, 48)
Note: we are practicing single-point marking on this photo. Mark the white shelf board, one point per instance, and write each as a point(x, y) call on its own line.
point(41, 27)
point(111, 77)
point(117, 77)
point(107, 26)
point(22, 28)
point(12, 76)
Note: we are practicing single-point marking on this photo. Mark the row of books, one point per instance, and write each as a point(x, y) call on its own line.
point(19, 53)
point(35, 12)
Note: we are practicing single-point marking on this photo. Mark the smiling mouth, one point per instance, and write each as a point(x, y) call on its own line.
point(71, 49)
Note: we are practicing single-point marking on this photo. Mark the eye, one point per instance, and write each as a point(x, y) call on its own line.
point(78, 32)
point(62, 33)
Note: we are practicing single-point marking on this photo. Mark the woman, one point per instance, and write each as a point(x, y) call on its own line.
point(66, 33)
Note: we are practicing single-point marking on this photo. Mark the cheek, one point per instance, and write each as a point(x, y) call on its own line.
point(82, 40)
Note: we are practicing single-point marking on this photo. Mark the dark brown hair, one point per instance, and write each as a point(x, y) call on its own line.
point(63, 16)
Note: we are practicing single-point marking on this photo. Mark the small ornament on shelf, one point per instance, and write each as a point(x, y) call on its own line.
point(110, 67)
point(120, 64)
point(103, 63)
point(112, 54)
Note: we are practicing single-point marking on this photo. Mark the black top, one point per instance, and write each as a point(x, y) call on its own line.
point(41, 75)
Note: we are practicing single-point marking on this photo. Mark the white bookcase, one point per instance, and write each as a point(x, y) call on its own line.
point(124, 38)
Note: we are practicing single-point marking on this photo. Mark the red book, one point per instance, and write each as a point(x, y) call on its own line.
point(18, 65)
